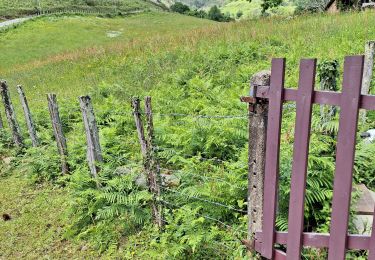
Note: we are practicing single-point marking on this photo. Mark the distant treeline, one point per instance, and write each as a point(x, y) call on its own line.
point(214, 13)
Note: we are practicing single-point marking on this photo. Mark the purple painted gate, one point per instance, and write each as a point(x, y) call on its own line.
point(350, 101)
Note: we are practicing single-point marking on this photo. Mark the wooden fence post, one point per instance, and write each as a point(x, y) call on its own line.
point(150, 163)
point(94, 152)
point(138, 123)
point(28, 118)
point(1, 123)
point(367, 72)
point(10, 114)
point(154, 178)
point(58, 131)
point(258, 115)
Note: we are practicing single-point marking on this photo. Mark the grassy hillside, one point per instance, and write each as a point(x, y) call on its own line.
point(190, 67)
point(38, 219)
point(248, 9)
point(14, 8)
point(72, 34)
point(253, 9)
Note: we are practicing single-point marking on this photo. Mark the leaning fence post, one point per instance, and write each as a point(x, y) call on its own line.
point(154, 179)
point(367, 72)
point(258, 116)
point(28, 118)
point(138, 123)
point(94, 152)
point(1, 122)
point(10, 114)
point(149, 162)
point(58, 131)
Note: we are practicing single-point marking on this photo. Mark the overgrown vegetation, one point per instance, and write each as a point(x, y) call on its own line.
point(321, 5)
point(192, 68)
point(16, 8)
point(213, 14)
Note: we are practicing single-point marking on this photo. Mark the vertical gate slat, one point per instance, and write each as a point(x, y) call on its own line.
point(371, 254)
point(272, 155)
point(350, 98)
point(300, 156)
point(279, 255)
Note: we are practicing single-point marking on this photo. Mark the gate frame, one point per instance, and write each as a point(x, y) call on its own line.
point(350, 101)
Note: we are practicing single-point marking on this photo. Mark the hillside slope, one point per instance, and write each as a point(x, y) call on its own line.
point(233, 7)
point(204, 4)
point(195, 70)
point(254, 9)
point(16, 8)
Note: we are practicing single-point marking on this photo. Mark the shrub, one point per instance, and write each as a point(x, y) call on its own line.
point(239, 14)
point(215, 14)
point(180, 8)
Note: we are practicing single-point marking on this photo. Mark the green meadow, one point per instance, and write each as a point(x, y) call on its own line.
point(192, 67)
point(253, 9)
point(17, 8)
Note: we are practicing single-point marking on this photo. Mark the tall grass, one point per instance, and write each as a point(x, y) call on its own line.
point(188, 66)
point(16, 8)
point(71, 55)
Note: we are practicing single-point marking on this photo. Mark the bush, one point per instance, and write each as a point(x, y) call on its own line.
point(239, 14)
point(216, 15)
point(180, 8)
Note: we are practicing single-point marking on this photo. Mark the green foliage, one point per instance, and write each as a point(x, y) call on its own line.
point(364, 164)
point(180, 8)
point(6, 142)
point(239, 14)
point(190, 72)
point(103, 213)
point(253, 9)
point(321, 5)
point(349, 4)
point(328, 74)
point(311, 5)
point(17, 8)
point(44, 163)
point(189, 235)
point(267, 4)
point(213, 14)
point(216, 15)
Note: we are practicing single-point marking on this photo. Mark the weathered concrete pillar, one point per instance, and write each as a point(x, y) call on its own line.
point(258, 115)
point(367, 72)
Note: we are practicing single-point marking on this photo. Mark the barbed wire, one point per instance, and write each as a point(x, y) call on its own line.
point(158, 149)
point(202, 176)
point(202, 199)
point(205, 216)
point(211, 219)
point(242, 116)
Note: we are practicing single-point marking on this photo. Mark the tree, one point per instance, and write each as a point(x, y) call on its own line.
point(311, 5)
point(320, 5)
point(180, 8)
point(215, 14)
point(239, 14)
point(267, 4)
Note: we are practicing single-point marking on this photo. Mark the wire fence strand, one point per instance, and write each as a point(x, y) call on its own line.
point(205, 216)
point(186, 196)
